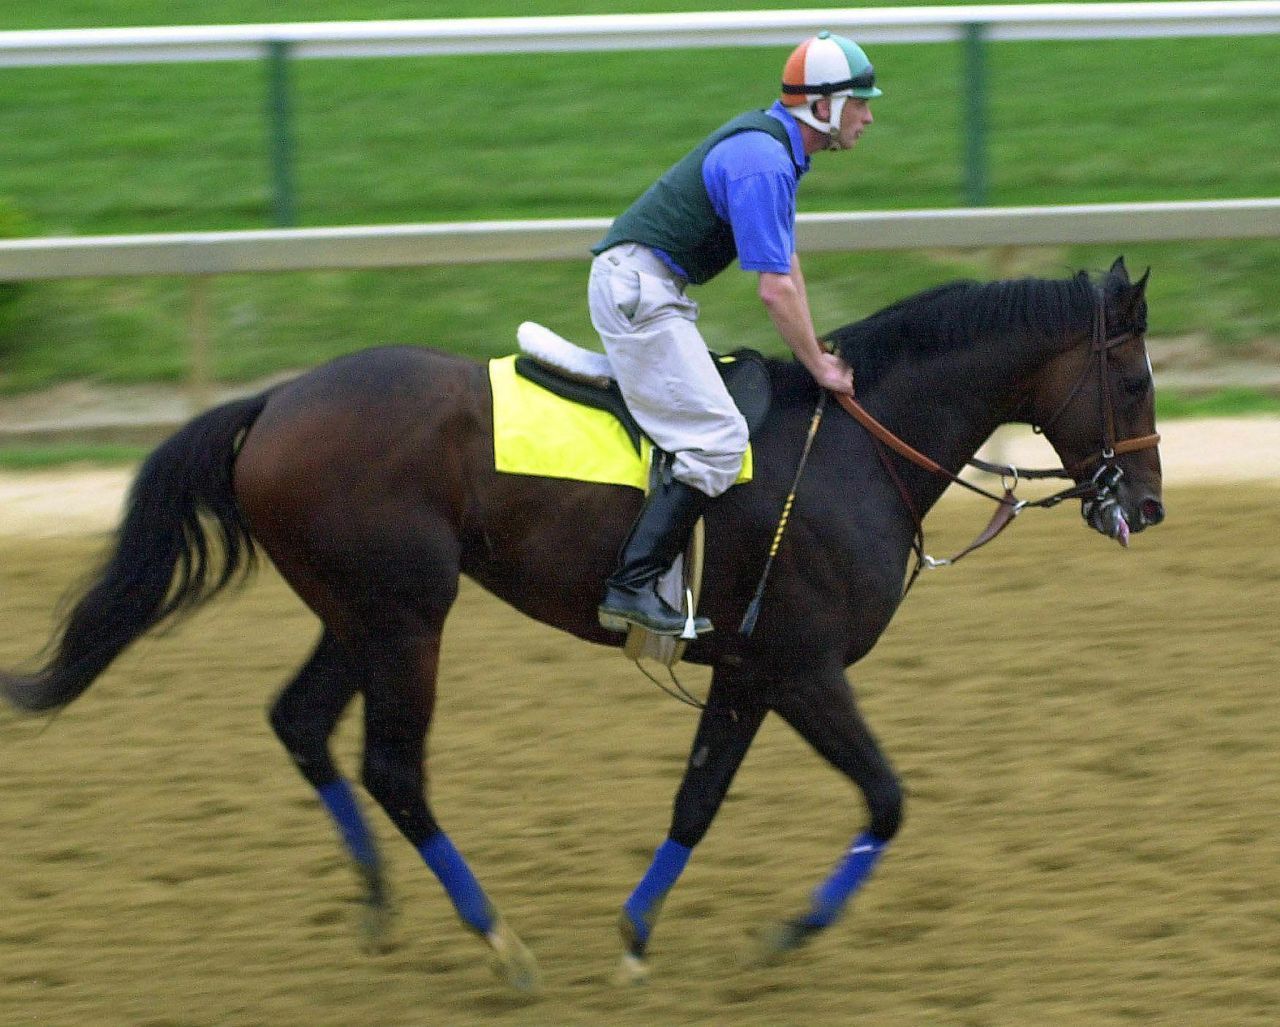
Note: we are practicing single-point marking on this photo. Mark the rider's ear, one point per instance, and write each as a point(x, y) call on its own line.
point(822, 108)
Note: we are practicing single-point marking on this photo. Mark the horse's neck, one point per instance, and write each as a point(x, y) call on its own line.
point(947, 409)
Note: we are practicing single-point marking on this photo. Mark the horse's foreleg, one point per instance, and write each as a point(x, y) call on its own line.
point(825, 715)
point(728, 725)
point(399, 699)
point(303, 717)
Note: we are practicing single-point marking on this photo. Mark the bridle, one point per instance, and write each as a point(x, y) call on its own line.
point(1098, 488)
point(1101, 346)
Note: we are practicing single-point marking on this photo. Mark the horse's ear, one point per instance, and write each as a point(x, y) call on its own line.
point(1129, 299)
point(1118, 270)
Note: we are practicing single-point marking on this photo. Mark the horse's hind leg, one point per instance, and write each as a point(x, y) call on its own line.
point(399, 698)
point(304, 716)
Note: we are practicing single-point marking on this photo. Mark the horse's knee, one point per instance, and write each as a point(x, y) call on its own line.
point(885, 802)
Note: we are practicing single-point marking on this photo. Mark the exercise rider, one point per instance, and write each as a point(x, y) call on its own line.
point(732, 196)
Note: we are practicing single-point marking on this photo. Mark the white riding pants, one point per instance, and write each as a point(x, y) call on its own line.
point(667, 377)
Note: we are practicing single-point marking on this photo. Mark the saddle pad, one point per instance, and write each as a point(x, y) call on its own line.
point(537, 432)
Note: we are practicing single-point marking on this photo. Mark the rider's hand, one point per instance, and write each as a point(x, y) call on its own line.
point(831, 372)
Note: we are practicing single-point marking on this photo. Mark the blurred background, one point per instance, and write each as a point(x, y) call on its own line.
point(132, 148)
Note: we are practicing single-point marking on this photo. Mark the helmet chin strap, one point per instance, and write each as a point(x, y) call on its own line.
point(831, 129)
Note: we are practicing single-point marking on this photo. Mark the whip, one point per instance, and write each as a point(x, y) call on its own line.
point(753, 608)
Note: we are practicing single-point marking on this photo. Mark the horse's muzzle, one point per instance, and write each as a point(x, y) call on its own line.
point(1109, 514)
point(1150, 513)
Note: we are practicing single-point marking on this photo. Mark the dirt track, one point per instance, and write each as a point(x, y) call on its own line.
point(1087, 736)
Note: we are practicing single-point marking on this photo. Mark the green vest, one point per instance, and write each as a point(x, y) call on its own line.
point(675, 214)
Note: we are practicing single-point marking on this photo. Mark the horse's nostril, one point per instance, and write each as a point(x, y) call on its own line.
point(1152, 511)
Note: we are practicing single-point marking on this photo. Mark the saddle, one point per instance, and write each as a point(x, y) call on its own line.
point(583, 376)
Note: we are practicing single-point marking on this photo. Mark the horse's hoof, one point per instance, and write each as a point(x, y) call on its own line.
point(511, 959)
point(375, 927)
point(778, 941)
point(632, 971)
point(376, 911)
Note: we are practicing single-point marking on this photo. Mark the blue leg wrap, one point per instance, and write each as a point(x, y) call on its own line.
point(641, 909)
point(830, 896)
point(463, 889)
point(341, 803)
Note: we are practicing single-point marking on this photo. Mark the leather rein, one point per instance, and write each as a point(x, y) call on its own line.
point(1008, 506)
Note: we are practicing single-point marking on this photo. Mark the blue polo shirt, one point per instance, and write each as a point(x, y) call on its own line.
point(752, 182)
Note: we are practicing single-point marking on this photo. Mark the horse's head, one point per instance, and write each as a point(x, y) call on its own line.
point(1095, 403)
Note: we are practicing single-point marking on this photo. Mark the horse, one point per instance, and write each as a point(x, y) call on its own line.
point(369, 482)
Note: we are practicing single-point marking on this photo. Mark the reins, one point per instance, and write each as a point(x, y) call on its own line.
point(1008, 506)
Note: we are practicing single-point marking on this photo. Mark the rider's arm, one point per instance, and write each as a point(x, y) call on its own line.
point(752, 185)
point(784, 297)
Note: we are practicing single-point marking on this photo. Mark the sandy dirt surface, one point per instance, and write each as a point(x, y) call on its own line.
point(75, 501)
point(1086, 735)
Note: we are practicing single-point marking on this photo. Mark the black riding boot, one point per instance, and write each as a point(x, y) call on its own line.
point(658, 536)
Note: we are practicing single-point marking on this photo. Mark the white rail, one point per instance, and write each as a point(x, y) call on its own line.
point(638, 31)
point(211, 253)
point(973, 25)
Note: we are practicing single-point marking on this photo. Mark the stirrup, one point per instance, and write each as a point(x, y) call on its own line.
point(676, 625)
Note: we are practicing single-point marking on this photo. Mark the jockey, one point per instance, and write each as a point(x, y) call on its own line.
point(732, 196)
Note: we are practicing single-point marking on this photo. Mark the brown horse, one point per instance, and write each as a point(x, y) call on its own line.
point(370, 483)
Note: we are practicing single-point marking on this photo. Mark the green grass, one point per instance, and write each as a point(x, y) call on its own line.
point(1232, 402)
point(156, 148)
point(41, 457)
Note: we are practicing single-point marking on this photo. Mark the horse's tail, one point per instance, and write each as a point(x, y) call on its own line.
point(164, 562)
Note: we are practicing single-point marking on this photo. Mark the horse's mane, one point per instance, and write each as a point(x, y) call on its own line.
point(954, 316)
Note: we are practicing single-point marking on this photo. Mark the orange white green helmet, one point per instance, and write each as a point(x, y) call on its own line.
point(831, 66)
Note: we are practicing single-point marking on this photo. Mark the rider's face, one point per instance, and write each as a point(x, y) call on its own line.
point(854, 120)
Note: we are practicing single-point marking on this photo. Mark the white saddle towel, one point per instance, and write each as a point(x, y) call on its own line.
point(546, 347)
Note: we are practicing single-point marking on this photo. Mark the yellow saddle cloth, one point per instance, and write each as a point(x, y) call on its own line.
point(537, 432)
